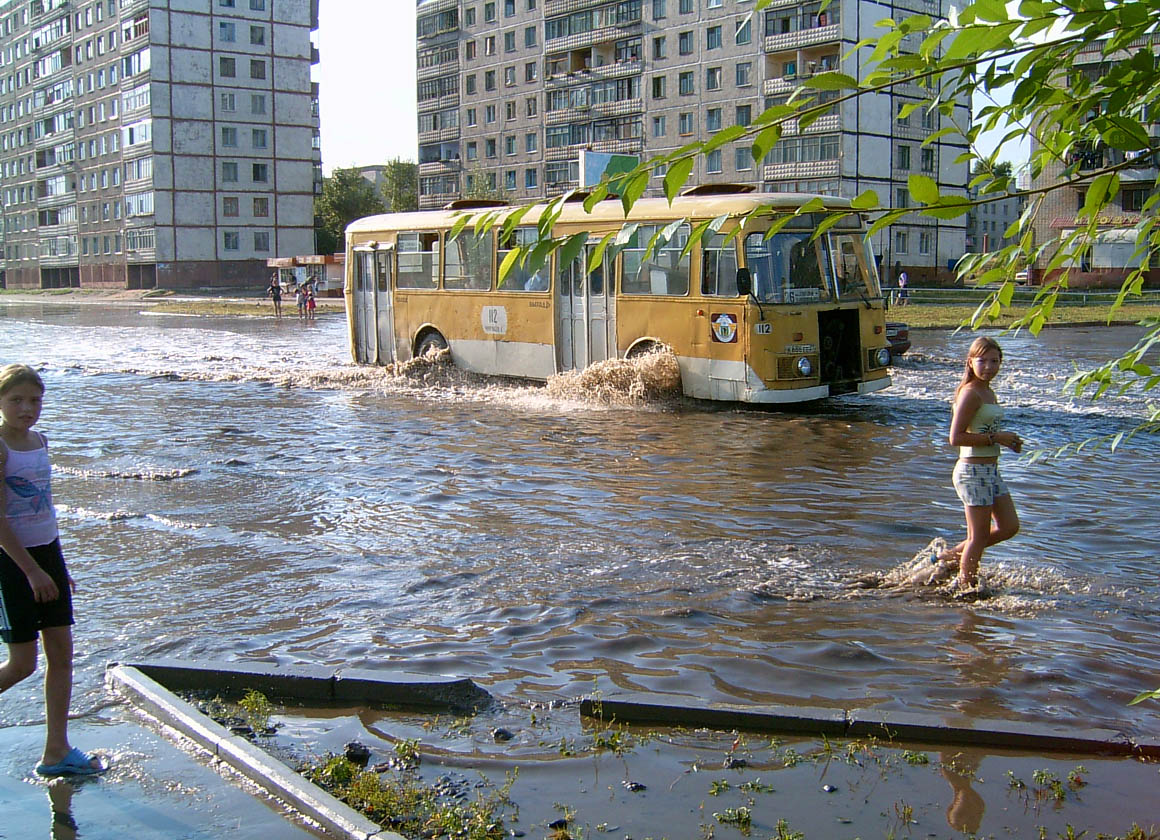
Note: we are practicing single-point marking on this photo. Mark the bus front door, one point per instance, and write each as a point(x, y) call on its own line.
point(584, 307)
point(364, 307)
point(384, 312)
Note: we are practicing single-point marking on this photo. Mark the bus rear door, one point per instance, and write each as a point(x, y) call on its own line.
point(584, 314)
point(364, 307)
point(384, 312)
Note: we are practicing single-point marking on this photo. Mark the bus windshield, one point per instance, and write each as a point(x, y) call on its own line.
point(789, 268)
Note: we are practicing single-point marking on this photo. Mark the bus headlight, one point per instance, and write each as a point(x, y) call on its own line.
point(882, 357)
point(804, 368)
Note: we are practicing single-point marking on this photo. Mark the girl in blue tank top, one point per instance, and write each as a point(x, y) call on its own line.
point(976, 428)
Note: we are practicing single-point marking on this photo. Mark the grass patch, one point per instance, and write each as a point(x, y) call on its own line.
point(950, 316)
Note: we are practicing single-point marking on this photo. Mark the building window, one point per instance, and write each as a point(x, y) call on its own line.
point(686, 83)
point(531, 142)
point(530, 36)
point(509, 76)
point(258, 103)
point(228, 102)
point(904, 157)
point(531, 71)
point(686, 7)
point(230, 205)
point(489, 147)
point(229, 171)
point(489, 12)
point(261, 207)
point(489, 45)
point(259, 172)
point(257, 69)
point(489, 113)
point(686, 123)
point(900, 242)
point(509, 41)
point(659, 126)
point(531, 178)
point(685, 43)
point(257, 5)
point(898, 112)
point(227, 32)
point(231, 240)
point(924, 241)
point(532, 106)
point(229, 136)
point(928, 160)
point(658, 9)
point(509, 8)
point(901, 197)
point(489, 80)
point(1132, 200)
point(713, 38)
point(743, 158)
point(227, 67)
point(469, 49)
point(469, 16)
point(469, 84)
point(744, 31)
point(258, 35)
point(471, 116)
point(713, 119)
point(713, 161)
point(509, 145)
point(713, 78)
point(744, 114)
point(659, 47)
point(509, 108)
point(744, 73)
point(261, 241)
point(658, 87)
point(258, 138)
point(473, 150)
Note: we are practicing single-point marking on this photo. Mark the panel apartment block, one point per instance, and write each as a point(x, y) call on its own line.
point(150, 143)
point(510, 91)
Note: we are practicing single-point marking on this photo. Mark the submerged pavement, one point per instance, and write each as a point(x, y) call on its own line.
point(152, 789)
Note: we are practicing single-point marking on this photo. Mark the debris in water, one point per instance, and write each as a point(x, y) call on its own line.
point(644, 378)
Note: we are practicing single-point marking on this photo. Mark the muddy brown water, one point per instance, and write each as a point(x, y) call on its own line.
point(234, 489)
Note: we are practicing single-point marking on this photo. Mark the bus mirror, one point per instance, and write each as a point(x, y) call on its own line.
point(744, 287)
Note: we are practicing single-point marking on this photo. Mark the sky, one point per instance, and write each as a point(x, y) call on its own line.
point(366, 75)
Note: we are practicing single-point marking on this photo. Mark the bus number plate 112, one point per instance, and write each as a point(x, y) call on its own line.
point(763, 328)
point(494, 320)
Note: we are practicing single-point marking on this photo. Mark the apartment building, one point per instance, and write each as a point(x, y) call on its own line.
point(1106, 260)
point(149, 143)
point(510, 92)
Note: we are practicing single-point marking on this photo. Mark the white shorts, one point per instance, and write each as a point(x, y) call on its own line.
point(978, 485)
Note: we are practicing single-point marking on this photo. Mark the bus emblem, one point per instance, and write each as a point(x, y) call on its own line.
point(724, 327)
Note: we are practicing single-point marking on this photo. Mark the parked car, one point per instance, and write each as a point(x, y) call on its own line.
point(1022, 278)
point(898, 338)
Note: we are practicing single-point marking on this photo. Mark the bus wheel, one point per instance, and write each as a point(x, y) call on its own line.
point(642, 349)
point(432, 342)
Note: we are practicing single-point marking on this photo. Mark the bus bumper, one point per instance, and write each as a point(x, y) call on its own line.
point(769, 396)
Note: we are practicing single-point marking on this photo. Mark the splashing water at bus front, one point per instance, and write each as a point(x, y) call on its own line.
point(302, 509)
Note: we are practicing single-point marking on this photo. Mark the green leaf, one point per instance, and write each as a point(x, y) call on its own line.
point(764, 142)
point(979, 40)
point(633, 189)
point(571, 249)
point(597, 255)
point(727, 135)
point(832, 80)
point(866, 200)
point(676, 177)
point(508, 261)
point(923, 189)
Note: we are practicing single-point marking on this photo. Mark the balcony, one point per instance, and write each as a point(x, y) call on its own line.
point(439, 135)
point(433, 70)
point(587, 39)
point(780, 85)
point(802, 38)
point(566, 115)
point(807, 169)
point(616, 109)
point(440, 167)
point(563, 7)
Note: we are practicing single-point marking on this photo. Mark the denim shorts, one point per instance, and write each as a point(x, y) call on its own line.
point(979, 485)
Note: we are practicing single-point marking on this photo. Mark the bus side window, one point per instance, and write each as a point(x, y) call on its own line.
point(418, 260)
point(719, 267)
point(518, 278)
point(468, 262)
point(665, 272)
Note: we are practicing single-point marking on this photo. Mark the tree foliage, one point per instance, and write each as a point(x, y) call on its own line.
point(346, 196)
point(1025, 60)
point(400, 187)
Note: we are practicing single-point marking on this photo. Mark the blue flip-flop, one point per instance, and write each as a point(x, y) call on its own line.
point(75, 763)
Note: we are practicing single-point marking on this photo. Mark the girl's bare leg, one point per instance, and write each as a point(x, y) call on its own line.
point(978, 531)
point(1004, 525)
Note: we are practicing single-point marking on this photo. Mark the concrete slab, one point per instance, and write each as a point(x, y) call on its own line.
point(300, 683)
point(152, 790)
point(800, 720)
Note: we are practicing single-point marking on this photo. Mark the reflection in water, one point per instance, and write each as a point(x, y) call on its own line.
point(965, 812)
point(60, 794)
point(301, 510)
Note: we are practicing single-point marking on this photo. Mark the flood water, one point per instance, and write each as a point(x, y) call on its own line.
point(233, 489)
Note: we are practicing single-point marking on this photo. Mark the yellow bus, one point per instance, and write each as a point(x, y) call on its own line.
point(750, 318)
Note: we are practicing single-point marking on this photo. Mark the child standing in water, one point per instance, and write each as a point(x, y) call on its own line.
point(976, 428)
point(35, 586)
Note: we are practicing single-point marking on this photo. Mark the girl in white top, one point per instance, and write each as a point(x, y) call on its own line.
point(35, 586)
point(976, 428)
